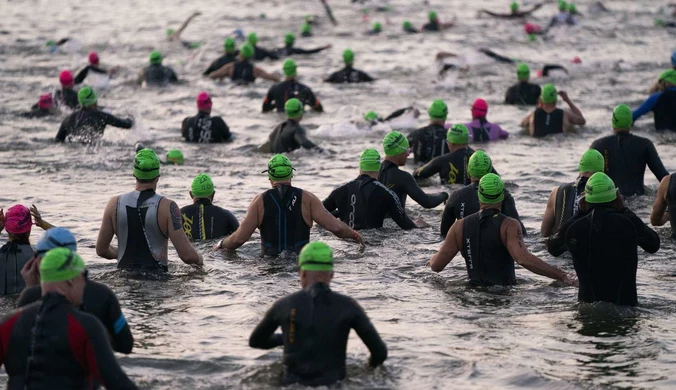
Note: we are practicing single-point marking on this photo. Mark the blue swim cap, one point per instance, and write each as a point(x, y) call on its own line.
point(673, 58)
point(56, 237)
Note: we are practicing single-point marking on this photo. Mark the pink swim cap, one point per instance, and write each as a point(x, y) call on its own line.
point(66, 78)
point(203, 101)
point(93, 58)
point(576, 60)
point(18, 220)
point(46, 102)
point(479, 108)
point(531, 28)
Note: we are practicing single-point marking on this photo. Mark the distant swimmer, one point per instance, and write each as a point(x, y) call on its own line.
point(50, 344)
point(316, 323)
point(430, 141)
point(626, 155)
point(66, 96)
point(603, 240)
point(203, 220)
point(376, 29)
point(524, 92)
point(289, 135)
point(491, 242)
point(348, 74)
point(259, 52)
point(515, 13)
point(548, 119)
point(664, 208)
point(480, 129)
point(364, 203)
point(88, 123)
point(566, 15)
point(372, 118)
point(408, 28)
point(564, 200)
point(289, 49)
point(230, 56)
point(290, 88)
point(156, 74)
point(242, 71)
point(143, 222)
point(285, 228)
point(174, 157)
point(662, 104)
point(175, 35)
point(98, 299)
point(93, 66)
point(402, 183)
point(43, 108)
point(204, 128)
point(434, 24)
point(306, 30)
point(464, 202)
point(546, 70)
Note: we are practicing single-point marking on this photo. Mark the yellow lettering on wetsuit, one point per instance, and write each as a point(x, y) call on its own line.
point(187, 226)
point(453, 174)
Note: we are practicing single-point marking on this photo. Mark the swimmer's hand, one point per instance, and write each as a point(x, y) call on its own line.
point(38, 218)
point(30, 272)
point(571, 280)
point(564, 96)
point(420, 222)
point(360, 241)
point(328, 46)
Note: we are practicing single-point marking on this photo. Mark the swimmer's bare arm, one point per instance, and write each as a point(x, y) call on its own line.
point(260, 73)
point(107, 231)
point(252, 220)
point(527, 121)
point(177, 35)
point(445, 54)
point(223, 72)
point(174, 223)
point(575, 116)
point(660, 215)
point(141, 77)
point(320, 215)
point(449, 249)
point(549, 219)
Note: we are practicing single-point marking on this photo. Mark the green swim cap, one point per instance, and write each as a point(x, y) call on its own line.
point(438, 110)
point(252, 39)
point(549, 94)
point(279, 168)
point(175, 156)
point(202, 186)
point(479, 164)
point(395, 143)
point(563, 6)
point(146, 165)
point(60, 265)
point(306, 29)
point(246, 50)
point(293, 108)
point(377, 27)
point(407, 25)
point(622, 117)
point(369, 161)
point(371, 116)
point(229, 45)
point(155, 57)
point(348, 56)
point(669, 76)
point(50, 43)
point(522, 71)
point(572, 8)
point(514, 6)
point(86, 97)
point(289, 39)
point(592, 161)
point(316, 256)
point(170, 31)
point(289, 68)
point(432, 15)
point(600, 188)
point(458, 134)
point(491, 189)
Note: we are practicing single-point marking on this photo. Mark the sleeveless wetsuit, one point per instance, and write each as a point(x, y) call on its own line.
point(204, 221)
point(203, 128)
point(523, 93)
point(548, 123)
point(428, 142)
point(567, 198)
point(13, 256)
point(283, 227)
point(403, 184)
point(280, 93)
point(243, 72)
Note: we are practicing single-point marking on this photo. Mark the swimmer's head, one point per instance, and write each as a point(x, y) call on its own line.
point(279, 168)
point(66, 79)
point(46, 102)
point(146, 165)
point(252, 39)
point(289, 39)
point(491, 189)
point(395, 143)
point(229, 45)
point(155, 57)
point(407, 25)
point(668, 77)
point(246, 51)
point(377, 27)
point(306, 28)
point(549, 94)
point(563, 6)
point(94, 58)
point(479, 164)
point(458, 135)
point(56, 237)
point(576, 60)
point(514, 6)
point(479, 108)
point(293, 108)
point(202, 186)
point(203, 101)
point(175, 156)
point(87, 97)
point(369, 161)
point(371, 116)
point(348, 57)
point(289, 68)
point(61, 265)
point(522, 72)
point(170, 32)
point(572, 8)
point(316, 256)
point(432, 16)
point(18, 220)
point(592, 161)
point(531, 28)
point(622, 117)
point(600, 188)
point(438, 111)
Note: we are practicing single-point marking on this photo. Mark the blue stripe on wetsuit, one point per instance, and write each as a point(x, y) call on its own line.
point(120, 324)
point(279, 226)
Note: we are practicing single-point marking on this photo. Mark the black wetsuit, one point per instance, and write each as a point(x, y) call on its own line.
point(261, 54)
point(289, 136)
point(364, 203)
point(279, 94)
point(243, 72)
point(13, 257)
point(451, 167)
point(283, 227)
point(626, 157)
point(85, 71)
point(523, 93)
point(203, 128)
point(87, 124)
point(547, 123)
point(394, 115)
point(101, 302)
point(67, 97)
point(158, 75)
point(291, 50)
point(487, 259)
point(603, 244)
point(665, 111)
point(37, 112)
point(402, 183)
point(316, 323)
point(203, 220)
point(51, 345)
point(349, 75)
point(411, 30)
point(428, 142)
point(431, 26)
point(465, 201)
point(671, 201)
point(221, 62)
point(567, 198)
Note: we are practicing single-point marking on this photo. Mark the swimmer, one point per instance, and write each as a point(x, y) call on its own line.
point(66, 96)
point(306, 30)
point(320, 320)
point(664, 208)
point(564, 16)
point(429, 142)
point(603, 239)
point(93, 66)
point(563, 202)
point(259, 52)
point(289, 49)
point(364, 203)
point(203, 220)
point(242, 71)
point(174, 157)
point(494, 241)
point(376, 29)
point(204, 128)
point(372, 118)
point(143, 236)
point(156, 74)
point(626, 155)
point(435, 24)
point(657, 87)
point(348, 74)
point(175, 35)
point(662, 103)
point(525, 70)
point(402, 183)
point(480, 129)
point(50, 344)
point(43, 108)
point(280, 93)
point(408, 28)
point(548, 119)
point(289, 135)
point(301, 209)
point(515, 13)
point(88, 123)
point(230, 56)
